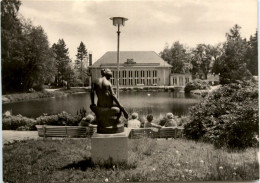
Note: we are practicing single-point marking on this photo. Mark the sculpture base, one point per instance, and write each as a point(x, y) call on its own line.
point(107, 147)
point(111, 129)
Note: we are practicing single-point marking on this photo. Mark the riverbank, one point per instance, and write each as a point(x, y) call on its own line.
point(204, 92)
point(17, 97)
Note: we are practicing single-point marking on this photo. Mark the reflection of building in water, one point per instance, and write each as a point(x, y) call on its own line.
point(136, 68)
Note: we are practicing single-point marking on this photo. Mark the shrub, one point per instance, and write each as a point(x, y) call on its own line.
point(60, 119)
point(228, 117)
point(18, 122)
point(196, 84)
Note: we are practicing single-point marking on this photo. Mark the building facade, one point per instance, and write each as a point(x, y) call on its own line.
point(213, 78)
point(136, 68)
point(180, 80)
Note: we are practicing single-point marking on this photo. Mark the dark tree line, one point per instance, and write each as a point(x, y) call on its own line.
point(28, 61)
point(235, 59)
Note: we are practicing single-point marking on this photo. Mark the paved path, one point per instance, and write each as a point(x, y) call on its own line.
point(11, 135)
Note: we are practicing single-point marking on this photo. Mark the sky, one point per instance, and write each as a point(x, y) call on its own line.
point(150, 25)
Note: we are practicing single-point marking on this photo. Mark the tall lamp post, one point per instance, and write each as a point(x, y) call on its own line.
point(117, 21)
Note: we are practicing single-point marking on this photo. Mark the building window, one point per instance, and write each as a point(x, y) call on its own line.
point(124, 77)
point(142, 74)
point(142, 81)
point(175, 81)
point(154, 81)
point(148, 74)
point(142, 77)
point(155, 74)
point(112, 78)
point(148, 81)
point(181, 81)
point(124, 81)
point(136, 74)
point(130, 82)
point(130, 74)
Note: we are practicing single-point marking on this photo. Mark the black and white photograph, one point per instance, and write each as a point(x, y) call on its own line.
point(129, 91)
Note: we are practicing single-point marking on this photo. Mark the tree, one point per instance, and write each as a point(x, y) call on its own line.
point(10, 26)
point(202, 59)
point(11, 45)
point(62, 60)
point(252, 55)
point(217, 53)
point(39, 66)
point(69, 74)
point(233, 64)
point(176, 56)
point(26, 56)
point(80, 58)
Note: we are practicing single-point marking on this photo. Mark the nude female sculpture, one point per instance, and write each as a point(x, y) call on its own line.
point(107, 113)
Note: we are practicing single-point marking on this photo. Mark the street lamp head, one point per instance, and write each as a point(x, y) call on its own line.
point(118, 20)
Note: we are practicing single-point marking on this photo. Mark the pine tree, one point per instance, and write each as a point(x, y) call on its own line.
point(62, 61)
point(81, 57)
point(234, 61)
point(252, 55)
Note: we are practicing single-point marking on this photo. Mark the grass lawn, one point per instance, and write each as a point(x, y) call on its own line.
point(69, 160)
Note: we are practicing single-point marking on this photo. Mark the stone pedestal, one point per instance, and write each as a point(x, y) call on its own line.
point(106, 146)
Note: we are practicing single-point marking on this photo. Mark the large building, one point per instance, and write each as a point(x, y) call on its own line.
point(136, 68)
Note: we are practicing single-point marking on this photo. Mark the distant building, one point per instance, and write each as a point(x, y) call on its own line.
point(180, 80)
point(213, 78)
point(136, 68)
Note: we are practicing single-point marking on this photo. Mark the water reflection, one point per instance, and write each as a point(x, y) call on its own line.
point(142, 102)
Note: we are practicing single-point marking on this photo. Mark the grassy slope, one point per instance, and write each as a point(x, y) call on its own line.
point(149, 160)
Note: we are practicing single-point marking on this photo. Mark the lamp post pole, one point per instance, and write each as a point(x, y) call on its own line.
point(118, 40)
point(117, 21)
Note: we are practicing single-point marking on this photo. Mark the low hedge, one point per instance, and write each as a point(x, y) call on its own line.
point(18, 122)
point(61, 119)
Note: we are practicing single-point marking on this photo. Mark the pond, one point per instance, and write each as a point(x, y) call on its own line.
point(142, 102)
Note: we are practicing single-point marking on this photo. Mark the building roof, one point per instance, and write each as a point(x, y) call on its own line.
point(133, 58)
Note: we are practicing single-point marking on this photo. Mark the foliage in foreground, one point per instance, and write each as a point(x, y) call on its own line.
point(61, 119)
point(19, 122)
point(227, 117)
point(69, 160)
